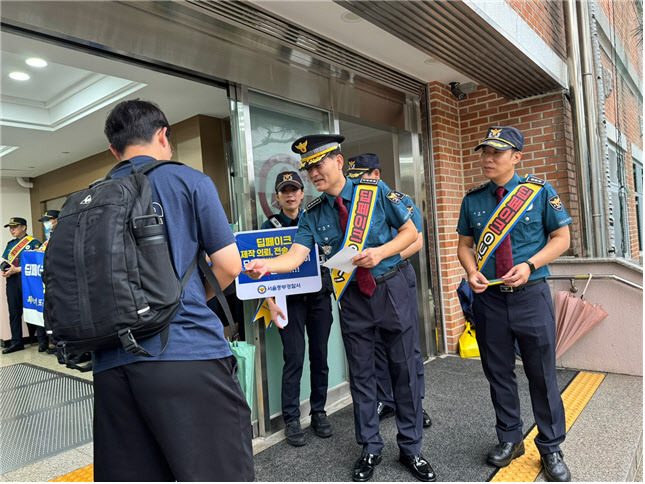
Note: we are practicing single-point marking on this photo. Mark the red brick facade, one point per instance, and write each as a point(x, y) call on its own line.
point(546, 18)
point(457, 127)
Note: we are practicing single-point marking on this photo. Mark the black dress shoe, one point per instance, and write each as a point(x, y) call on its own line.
point(384, 411)
point(13, 348)
point(502, 454)
point(419, 467)
point(50, 351)
point(426, 420)
point(364, 467)
point(44, 346)
point(294, 433)
point(321, 425)
point(555, 469)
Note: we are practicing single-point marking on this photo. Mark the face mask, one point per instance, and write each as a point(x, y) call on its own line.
point(48, 225)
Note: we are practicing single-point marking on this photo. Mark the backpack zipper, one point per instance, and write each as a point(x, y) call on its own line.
point(81, 276)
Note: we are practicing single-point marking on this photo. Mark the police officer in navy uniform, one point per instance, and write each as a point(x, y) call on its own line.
point(12, 273)
point(367, 165)
point(520, 309)
point(377, 299)
point(310, 311)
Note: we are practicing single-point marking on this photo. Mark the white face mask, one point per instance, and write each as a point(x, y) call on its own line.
point(48, 225)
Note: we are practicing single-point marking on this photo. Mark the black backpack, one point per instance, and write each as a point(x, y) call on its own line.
point(108, 274)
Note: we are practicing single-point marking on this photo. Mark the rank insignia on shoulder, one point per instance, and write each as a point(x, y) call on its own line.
point(368, 181)
point(476, 189)
point(314, 202)
point(394, 197)
point(533, 179)
point(555, 203)
point(411, 209)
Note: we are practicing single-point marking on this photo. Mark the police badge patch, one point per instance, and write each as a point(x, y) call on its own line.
point(326, 249)
point(394, 196)
point(555, 202)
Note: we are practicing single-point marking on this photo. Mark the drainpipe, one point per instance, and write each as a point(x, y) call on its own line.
point(23, 183)
point(579, 131)
point(593, 137)
point(605, 178)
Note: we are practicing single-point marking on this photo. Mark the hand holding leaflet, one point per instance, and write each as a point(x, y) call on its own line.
point(342, 261)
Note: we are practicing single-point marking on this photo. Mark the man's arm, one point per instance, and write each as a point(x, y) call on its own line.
point(415, 247)
point(282, 264)
point(466, 255)
point(226, 265)
point(558, 243)
point(369, 258)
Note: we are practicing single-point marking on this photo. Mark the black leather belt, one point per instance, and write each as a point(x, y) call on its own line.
point(504, 288)
point(387, 275)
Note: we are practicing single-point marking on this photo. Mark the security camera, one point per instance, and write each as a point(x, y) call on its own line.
point(458, 93)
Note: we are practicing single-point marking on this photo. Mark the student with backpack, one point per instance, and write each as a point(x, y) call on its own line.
point(179, 414)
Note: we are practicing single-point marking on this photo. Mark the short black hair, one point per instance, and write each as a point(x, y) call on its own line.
point(134, 123)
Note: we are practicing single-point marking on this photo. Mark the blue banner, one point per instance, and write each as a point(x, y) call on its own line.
point(260, 244)
point(33, 293)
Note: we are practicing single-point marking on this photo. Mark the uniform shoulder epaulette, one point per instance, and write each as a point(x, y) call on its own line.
point(314, 202)
point(533, 179)
point(476, 189)
point(368, 181)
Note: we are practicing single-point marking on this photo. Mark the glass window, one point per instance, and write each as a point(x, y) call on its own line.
point(618, 200)
point(638, 196)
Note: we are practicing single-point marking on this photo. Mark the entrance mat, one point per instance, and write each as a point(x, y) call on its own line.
point(42, 413)
point(463, 431)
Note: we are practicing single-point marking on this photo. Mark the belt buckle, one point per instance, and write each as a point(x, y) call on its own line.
point(505, 288)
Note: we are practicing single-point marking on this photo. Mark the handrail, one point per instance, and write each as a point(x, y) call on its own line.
point(596, 276)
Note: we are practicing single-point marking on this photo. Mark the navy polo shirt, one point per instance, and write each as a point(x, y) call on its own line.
point(529, 235)
point(321, 224)
point(193, 216)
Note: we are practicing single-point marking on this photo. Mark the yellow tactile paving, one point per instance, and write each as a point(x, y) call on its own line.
point(574, 398)
point(84, 474)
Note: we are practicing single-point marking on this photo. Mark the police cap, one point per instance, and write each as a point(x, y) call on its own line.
point(49, 215)
point(362, 163)
point(314, 148)
point(13, 221)
point(503, 138)
point(287, 178)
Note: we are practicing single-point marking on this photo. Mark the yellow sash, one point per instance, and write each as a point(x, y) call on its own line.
point(19, 247)
point(263, 312)
point(358, 226)
point(43, 246)
point(506, 215)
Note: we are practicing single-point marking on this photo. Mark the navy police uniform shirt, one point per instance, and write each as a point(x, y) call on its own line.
point(415, 213)
point(33, 245)
point(529, 235)
point(283, 219)
point(193, 215)
point(320, 223)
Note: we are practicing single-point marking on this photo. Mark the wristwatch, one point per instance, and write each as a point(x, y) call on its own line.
point(531, 266)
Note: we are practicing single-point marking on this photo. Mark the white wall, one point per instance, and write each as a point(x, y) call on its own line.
point(14, 202)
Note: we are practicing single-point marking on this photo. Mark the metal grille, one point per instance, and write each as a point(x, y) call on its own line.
point(42, 413)
point(259, 21)
point(454, 34)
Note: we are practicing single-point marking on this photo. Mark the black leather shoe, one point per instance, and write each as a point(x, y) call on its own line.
point(294, 433)
point(50, 351)
point(426, 420)
point(384, 411)
point(44, 346)
point(502, 454)
point(555, 469)
point(364, 467)
point(419, 467)
point(13, 348)
point(321, 425)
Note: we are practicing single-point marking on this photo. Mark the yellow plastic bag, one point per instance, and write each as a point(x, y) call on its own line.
point(468, 343)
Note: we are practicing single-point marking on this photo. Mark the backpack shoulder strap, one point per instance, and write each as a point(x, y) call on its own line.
point(117, 167)
point(212, 280)
point(147, 168)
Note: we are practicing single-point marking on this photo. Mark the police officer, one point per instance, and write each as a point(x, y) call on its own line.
point(50, 221)
point(11, 271)
point(312, 311)
point(368, 165)
point(519, 309)
point(377, 299)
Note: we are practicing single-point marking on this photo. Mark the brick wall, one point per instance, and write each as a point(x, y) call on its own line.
point(625, 25)
point(457, 127)
point(546, 18)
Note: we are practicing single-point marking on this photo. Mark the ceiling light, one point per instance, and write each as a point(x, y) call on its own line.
point(430, 61)
point(19, 76)
point(350, 17)
point(36, 62)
